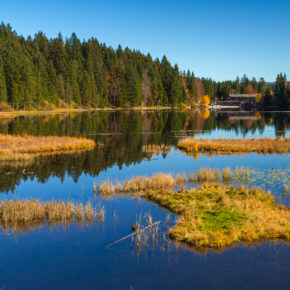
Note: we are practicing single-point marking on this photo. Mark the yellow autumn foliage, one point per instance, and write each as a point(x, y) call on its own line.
point(204, 114)
point(205, 100)
point(258, 116)
point(259, 97)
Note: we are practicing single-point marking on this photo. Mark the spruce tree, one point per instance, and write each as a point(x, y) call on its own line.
point(3, 90)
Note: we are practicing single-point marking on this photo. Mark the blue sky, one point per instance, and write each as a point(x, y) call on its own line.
point(217, 39)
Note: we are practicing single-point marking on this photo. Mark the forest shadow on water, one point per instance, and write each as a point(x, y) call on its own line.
point(125, 138)
point(135, 144)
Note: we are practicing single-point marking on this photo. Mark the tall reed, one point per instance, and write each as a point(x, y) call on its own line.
point(23, 214)
point(141, 184)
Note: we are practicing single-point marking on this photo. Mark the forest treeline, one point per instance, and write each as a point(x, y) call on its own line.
point(42, 73)
point(268, 94)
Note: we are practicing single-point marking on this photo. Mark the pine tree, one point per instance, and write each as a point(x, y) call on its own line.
point(133, 87)
point(262, 86)
point(74, 82)
point(3, 90)
point(280, 90)
point(86, 92)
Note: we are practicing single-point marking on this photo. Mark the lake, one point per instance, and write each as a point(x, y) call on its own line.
point(131, 143)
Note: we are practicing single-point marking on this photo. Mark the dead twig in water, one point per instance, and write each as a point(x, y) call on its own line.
point(126, 237)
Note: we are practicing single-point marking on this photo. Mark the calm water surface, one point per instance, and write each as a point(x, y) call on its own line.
point(130, 144)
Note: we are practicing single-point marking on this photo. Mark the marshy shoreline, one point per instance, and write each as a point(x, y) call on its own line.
point(25, 148)
point(11, 114)
point(234, 146)
point(216, 213)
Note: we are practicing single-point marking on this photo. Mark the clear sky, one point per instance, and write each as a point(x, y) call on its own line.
point(217, 39)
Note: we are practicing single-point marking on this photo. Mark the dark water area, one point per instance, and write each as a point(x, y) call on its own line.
point(130, 144)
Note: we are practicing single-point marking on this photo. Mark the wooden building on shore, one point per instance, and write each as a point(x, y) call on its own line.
point(244, 101)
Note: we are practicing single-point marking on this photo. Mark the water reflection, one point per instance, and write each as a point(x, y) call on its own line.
point(130, 144)
point(101, 126)
point(125, 138)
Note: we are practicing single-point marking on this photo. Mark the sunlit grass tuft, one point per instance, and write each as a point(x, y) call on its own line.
point(227, 175)
point(106, 189)
point(141, 184)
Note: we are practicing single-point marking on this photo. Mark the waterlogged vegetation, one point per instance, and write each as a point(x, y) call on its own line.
point(160, 181)
point(23, 148)
point(23, 215)
point(233, 146)
point(142, 233)
point(212, 215)
point(275, 179)
point(220, 216)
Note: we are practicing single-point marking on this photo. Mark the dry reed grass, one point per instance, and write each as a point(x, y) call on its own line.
point(213, 215)
point(18, 215)
point(144, 233)
point(227, 175)
point(16, 148)
point(160, 181)
point(219, 216)
point(106, 189)
point(228, 146)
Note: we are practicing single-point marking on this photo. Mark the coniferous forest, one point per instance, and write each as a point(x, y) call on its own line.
point(37, 72)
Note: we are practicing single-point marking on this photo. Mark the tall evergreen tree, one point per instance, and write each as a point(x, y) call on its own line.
point(3, 90)
point(280, 90)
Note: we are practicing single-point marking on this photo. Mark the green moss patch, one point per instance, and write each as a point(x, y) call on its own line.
point(218, 216)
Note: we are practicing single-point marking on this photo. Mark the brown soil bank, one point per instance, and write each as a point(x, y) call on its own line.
point(228, 146)
point(26, 147)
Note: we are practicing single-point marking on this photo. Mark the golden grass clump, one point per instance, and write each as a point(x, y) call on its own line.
point(227, 175)
point(25, 147)
point(21, 215)
point(106, 189)
point(141, 184)
point(160, 181)
point(228, 146)
point(206, 175)
point(219, 216)
point(217, 175)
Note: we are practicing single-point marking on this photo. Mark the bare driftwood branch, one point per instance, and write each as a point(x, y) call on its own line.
point(126, 237)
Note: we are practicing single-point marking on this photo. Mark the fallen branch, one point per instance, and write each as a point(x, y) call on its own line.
point(126, 237)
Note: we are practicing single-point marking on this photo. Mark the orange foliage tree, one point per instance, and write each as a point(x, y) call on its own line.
point(205, 100)
point(250, 89)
